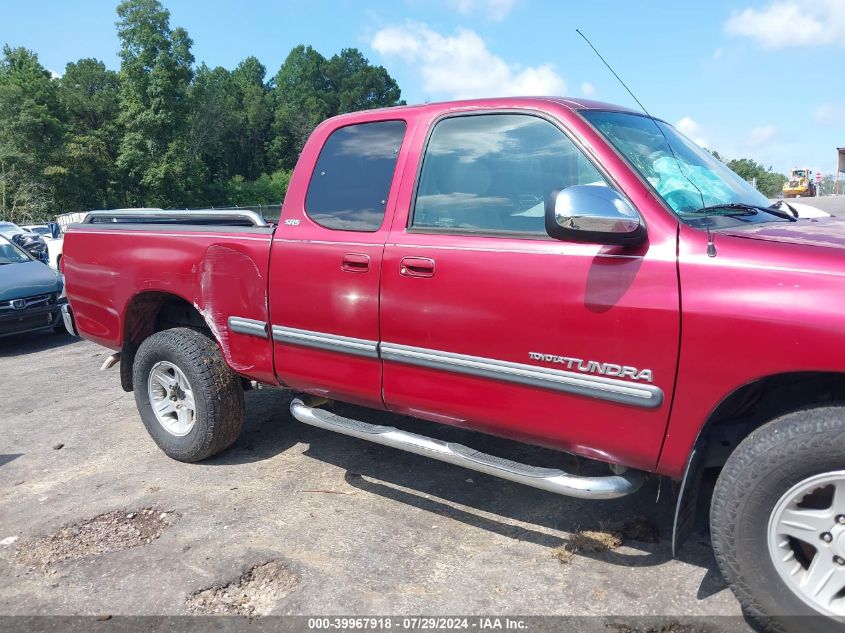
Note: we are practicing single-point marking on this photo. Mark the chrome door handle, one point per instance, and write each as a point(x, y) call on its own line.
point(416, 267)
point(355, 263)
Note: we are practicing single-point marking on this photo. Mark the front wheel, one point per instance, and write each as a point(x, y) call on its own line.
point(778, 521)
point(190, 401)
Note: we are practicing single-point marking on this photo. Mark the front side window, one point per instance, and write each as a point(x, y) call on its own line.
point(351, 182)
point(494, 172)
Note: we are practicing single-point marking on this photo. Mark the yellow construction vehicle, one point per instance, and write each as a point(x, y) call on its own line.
point(799, 184)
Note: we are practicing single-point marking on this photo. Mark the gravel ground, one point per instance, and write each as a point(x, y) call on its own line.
point(94, 519)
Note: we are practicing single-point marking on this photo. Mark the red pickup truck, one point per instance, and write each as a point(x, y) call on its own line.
point(564, 273)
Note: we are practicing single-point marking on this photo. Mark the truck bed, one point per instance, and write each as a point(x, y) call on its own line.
point(123, 267)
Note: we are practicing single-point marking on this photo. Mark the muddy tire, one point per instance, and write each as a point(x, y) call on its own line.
point(190, 401)
point(777, 521)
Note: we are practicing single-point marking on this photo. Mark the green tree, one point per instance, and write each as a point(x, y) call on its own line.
point(354, 84)
point(256, 109)
point(301, 101)
point(769, 182)
point(89, 94)
point(31, 132)
point(308, 88)
point(155, 72)
point(213, 124)
point(231, 115)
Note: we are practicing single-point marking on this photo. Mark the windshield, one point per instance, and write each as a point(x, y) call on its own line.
point(8, 229)
point(40, 230)
point(695, 180)
point(11, 254)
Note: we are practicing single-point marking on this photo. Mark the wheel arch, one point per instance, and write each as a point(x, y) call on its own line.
point(736, 416)
point(151, 311)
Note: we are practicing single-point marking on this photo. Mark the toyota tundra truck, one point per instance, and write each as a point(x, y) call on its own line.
point(558, 272)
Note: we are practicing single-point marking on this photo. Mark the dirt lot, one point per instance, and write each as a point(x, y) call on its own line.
point(94, 519)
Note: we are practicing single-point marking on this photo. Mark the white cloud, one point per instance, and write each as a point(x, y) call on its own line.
point(717, 53)
point(783, 24)
point(461, 66)
point(588, 89)
point(54, 74)
point(689, 127)
point(829, 114)
point(496, 10)
point(761, 134)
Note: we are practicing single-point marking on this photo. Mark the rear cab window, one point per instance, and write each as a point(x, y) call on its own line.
point(351, 180)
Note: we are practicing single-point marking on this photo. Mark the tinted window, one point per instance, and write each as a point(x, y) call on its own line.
point(494, 172)
point(352, 178)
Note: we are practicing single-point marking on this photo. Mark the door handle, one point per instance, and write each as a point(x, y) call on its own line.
point(416, 267)
point(355, 263)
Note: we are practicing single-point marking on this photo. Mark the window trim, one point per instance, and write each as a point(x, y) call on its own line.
point(577, 142)
point(390, 188)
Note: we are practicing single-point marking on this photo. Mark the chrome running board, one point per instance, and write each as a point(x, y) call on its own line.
point(551, 479)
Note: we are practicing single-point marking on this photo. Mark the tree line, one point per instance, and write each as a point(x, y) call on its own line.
point(162, 131)
point(165, 132)
point(769, 182)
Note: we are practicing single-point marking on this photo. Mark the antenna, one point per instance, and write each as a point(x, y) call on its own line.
point(711, 248)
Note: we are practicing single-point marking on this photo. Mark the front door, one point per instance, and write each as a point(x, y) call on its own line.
point(487, 322)
point(326, 261)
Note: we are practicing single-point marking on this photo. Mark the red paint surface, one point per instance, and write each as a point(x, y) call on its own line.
point(220, 274)
point(763, 306)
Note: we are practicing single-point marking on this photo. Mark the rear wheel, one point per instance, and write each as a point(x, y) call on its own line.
point(778, 521)
point(190, 401)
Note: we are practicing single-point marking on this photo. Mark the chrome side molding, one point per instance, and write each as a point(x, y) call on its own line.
point(581, 383)
point(550, 479)
point(242, 325)
point(614, 390)
point(330, 342)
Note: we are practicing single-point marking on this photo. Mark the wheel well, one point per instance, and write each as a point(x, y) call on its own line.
point(754, 404)
point(148, 313)
point(740, 413)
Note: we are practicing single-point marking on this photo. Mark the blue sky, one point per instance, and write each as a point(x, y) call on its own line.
point(749, 78)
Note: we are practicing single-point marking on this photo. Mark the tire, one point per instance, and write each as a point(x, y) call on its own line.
point(194, 362)
point(788, 454)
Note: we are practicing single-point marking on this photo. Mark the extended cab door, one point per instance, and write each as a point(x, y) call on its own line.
point(326, 260)
point(489, 323)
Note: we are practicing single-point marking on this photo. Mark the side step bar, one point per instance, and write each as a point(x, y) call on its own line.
point(551, 479)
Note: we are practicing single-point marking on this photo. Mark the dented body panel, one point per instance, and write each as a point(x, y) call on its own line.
point(616, 353)
point(114, 272)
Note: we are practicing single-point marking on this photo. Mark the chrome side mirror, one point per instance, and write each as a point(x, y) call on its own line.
point(593, 214)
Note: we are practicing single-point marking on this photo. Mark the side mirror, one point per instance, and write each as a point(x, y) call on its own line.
point(593, 214)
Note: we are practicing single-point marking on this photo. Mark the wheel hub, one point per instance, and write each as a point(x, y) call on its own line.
point(806, 538)
point(171, 398)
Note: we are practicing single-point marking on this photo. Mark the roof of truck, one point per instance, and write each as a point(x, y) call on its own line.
point(503, 102)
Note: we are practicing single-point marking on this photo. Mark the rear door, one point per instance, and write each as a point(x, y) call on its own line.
point(326, 261)
point(489, 323)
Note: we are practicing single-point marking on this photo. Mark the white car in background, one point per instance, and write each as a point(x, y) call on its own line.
point(55, 241)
